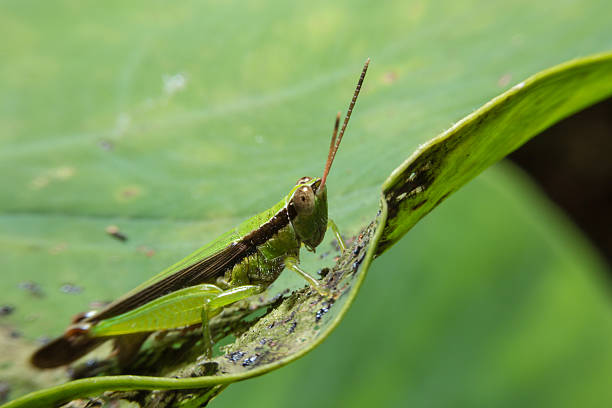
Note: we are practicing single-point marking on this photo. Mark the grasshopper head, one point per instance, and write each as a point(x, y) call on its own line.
point(310, 204)
point(309, 196)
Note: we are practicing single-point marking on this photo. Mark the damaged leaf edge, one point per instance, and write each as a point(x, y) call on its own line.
point(462, 123)
point(390, 234)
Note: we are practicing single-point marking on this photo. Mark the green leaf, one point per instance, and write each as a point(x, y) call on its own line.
point(295, 326)
point(444, 164)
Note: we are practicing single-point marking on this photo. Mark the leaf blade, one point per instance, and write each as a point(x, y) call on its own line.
point(450, 160)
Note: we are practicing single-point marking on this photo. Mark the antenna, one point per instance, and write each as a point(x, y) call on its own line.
point(333, 148)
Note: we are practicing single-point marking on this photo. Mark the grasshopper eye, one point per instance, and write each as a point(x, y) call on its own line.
point(304, 200)
point(303, 180)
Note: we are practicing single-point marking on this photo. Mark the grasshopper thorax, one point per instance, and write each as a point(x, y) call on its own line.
point(310, 205)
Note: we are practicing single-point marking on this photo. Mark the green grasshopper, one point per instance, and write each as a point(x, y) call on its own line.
point(240, 263)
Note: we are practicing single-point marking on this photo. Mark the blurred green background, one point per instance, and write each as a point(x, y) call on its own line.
point(175, 121)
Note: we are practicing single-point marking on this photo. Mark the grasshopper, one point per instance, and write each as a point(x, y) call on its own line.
point(240, 263)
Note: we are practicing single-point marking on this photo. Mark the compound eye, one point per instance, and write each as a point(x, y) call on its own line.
point(304, 200)
point(303, 180)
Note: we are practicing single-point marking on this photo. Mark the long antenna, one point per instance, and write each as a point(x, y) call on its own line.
point(331, 149)
point(335, 143)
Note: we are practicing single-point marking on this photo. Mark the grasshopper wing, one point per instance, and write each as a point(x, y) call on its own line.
point(194, 274)
point(75, 342)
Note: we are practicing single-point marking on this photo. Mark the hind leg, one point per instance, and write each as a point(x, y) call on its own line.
point(213, 305)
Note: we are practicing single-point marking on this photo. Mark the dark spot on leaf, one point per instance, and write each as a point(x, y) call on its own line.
point(114, 232)
point(235, 356)
point(250, 360)
point(6, 310)
point(291, 317)
point(70, 288)
point(321, 312)
point(32, 287)
point(15, 334)
point(443, 198)
point(43, 340)
point(418, 205)
point(106, 145)
point(92, 362)
point(292, 328)
point(414, 180)
point(207, 368)
point(323, 272)
point(89, 368)
point(5, 390)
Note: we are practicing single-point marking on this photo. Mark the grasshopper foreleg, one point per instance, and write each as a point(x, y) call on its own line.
point(292, 263)
point(331, 224)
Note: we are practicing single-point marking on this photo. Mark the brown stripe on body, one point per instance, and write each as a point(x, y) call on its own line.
point(269, 229)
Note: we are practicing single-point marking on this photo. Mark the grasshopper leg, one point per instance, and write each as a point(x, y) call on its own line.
point(206, 336)
point(224, 298)
point(181, 308)
point(233, 295)
point(292, 263)
point(331, 224)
